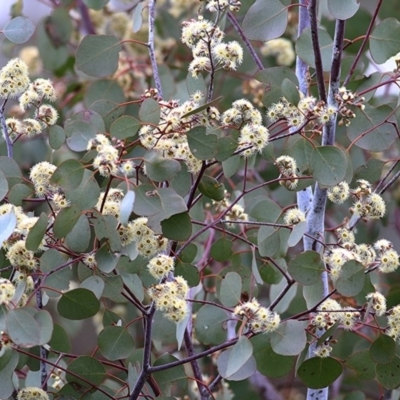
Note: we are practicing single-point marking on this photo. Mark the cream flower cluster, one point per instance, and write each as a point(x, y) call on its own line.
point(160, 266)
point(344, 99)
point(280, 48)
point(107, 159)
point(32, 393)
point(253, 135)
point(169, 137)
point(20, 258)
point(296, 116)
point(393, 319)
point(170, 298)
point(208, 49)
point(339, 193)
point(288, 171)
point(15, 83)
point(148, 242)
point(330, 311)
point(232, 213)
point(259, 319)
point(368, 205)
point(221, 5)
point(381, 255)
point(293, 216)
point(378, 303)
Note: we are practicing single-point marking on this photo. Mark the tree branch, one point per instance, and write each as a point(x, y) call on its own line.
point(9, 144)
point(152, 13)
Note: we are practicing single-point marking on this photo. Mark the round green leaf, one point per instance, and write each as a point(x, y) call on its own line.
point(246, 370)
point(211, 188)
point(3, 186)
point(343, 9)
point(231, 289)
point(209, 325)
point(28, 327)
point(383, 349)
point(306, 268)
point(65, 221)
point(221, 250)
point(97, 55)
point(362, 364)
point(304, 48)
point(107, 89)
point(375, 135)
point(11, 170)
point(371, 171)
point(78, 304)
point(203, 146)
point(351, 278)
point(290, 91)
point(8, 363)
point(125, 127)
point(355, 395)
point(388, 374)
point(19, 192)
point(115, 343)
point(159, 168)
point(177, 227)
point(86, 195)
point(56, 137)
point(60, 340)
point(88, 368)
point(68, 174)
point(19, 30)
point(265, 21)
point(189, 272)
point(108, 110)
point(268, 362)
point(126, 207)
point(384, 41)
point(275, 75)
point(269, 241)
point(328, 165)
point(96, 4)
point(36, 233)
point(240, 353)
point(290, 338)
point(297, 233)
point(150, 112)
point(317, 373)
point(95, 284)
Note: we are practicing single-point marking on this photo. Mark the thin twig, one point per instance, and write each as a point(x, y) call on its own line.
point(42, 350)
point(156, 74)
point(364, 43)
point(246, 41)
point(87, 22)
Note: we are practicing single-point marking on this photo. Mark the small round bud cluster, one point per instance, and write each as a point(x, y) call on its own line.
point(107, 159)
point(387, 258)
point(393, 320)
point(339, 193)
point(170, 298)
point(32, 393)
point(221, 5)
point(47, 115)
point(56, 379)
point(259, 319)
point(323, 351)
point(293, 216)
point(378, 303)
point(40, 176)
point(160, 266)
point(14, 79)
point(288, 172)
point(7, 290)
point(280, 48)
point(232, 213)
point(346, 98)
